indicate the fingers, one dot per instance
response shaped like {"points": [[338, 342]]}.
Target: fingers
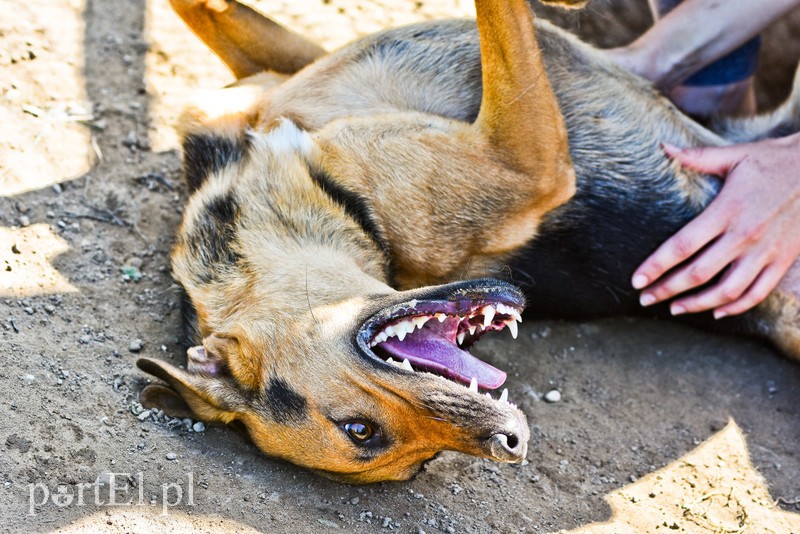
{"points": [[696, 235], [719, 161], [768, 280], [732, 286]]}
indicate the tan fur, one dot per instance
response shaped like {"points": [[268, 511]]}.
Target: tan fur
{"points": [[456, 181]]}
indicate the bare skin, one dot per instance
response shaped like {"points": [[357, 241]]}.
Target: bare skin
{"points": [[750, 234]]}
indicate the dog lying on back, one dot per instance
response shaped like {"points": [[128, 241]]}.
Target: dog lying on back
{"points": [[338, 199]]}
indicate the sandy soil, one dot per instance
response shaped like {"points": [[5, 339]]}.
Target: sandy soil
{"points": [[91, 196]]}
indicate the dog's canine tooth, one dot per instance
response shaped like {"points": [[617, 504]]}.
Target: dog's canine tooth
{"points": [[488, 315], [460, 337], [512, 327], [473, 385], [406, 365], [504, 395]]}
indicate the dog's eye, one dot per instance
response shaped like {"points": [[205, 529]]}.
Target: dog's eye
{"points": [[358, 431]]}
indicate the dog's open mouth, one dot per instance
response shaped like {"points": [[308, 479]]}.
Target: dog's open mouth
{"points": [[434, 335]]}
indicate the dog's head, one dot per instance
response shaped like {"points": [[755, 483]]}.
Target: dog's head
{"points": [[361, 391]]}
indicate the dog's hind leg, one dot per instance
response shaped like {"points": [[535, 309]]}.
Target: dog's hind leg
{"points": [[244, 39], [778, 317], [785, 120], [519, 113]]}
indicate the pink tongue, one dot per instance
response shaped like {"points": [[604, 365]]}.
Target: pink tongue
{"points": [[428, 351]]}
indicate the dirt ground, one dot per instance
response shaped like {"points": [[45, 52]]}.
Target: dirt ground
{"points": [[91, 189]]}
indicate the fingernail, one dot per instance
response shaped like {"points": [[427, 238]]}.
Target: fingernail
{"points": [[639, 281], [720, 314], [647, 299], [677, 309], [667, 147]]}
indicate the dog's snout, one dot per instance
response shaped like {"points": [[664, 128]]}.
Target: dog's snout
{"points": [[511, 444]]}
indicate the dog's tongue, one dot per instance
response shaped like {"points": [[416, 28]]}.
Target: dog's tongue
{"points": [[427, 350]]}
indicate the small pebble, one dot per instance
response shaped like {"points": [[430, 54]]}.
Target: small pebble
{"points": [[199, 427], [552, 396], [171, 456], [24, 221], [144, 415], [136, 345]]}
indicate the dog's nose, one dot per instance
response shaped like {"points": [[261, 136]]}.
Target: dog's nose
{"points": [[511, 444]]}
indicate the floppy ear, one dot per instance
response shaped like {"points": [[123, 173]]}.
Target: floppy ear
{"points": [[519, 113], [205, 396]]}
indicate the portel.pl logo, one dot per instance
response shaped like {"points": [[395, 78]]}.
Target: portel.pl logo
{"points": [[111, 489]]}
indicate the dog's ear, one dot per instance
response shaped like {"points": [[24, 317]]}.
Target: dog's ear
{"points": [[519, 114], [210, 397]]}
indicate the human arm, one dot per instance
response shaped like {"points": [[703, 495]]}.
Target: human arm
{"points": [[750, 233], [694, 34]]}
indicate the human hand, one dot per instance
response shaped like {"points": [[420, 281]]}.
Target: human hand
{"points": [[750, 233]]}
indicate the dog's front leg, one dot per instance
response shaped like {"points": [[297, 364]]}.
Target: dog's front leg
{"points": [[244, 39], [519, 113]]}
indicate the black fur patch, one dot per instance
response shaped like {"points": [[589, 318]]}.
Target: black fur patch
{"points": [[355, 206], [204, 155], [285, 403], [213, 236], [191, 330]]}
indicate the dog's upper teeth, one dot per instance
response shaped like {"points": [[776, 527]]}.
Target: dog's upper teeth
{"points": [[512, 327], [460, 337], [406, 365], [508, 310], [441, 317], [488, 315], [473, 385], [472, 329], [420, 321], [504, 395]]}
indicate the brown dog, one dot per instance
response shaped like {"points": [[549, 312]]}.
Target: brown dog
{"points": [[413, 157]]}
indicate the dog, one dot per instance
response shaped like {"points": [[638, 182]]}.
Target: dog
{"points": [[359, 219]]}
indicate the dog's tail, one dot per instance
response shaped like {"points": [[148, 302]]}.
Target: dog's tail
{"points": [[785, 120], [244, 39]]}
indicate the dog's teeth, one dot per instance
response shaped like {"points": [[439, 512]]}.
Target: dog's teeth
{"points": [[472, 329], [401, 331], [488, 315], [508, 310], [406, 365], [512, 327], [460, 337], [419, 322], [473, 385], [441, 317], [488, 395], [390, 360], [504, 395]]}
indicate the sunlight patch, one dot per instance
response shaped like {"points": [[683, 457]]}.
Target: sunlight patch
{"points": [[714, 488], [44, 137], [25, 268]]}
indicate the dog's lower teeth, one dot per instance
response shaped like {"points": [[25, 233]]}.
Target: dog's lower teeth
{"points": [[406, 365], [504, 395]]}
